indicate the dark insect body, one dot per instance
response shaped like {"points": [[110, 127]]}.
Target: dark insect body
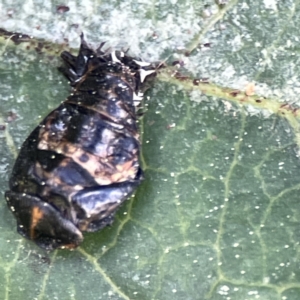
{"points": [[82, 161]]}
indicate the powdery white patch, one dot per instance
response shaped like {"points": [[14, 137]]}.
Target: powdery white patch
{"points": [[224, 289], [118, 24], [251, 293], [271, 4], [196, 96], [237, 43], [266, 60]]}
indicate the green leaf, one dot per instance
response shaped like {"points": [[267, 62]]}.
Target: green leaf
{"points": [[217, 216]]}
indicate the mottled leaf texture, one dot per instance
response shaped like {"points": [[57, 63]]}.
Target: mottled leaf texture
{"points": [[218, 214]]}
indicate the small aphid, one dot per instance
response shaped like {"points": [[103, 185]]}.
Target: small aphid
{"points": [[11, 116], [62, 9]]}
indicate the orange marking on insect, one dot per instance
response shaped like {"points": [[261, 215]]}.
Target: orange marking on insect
{"points": [[125, 167], [36, 216]]}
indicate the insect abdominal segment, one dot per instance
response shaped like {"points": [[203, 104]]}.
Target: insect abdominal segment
{"points": [[82, 162]]}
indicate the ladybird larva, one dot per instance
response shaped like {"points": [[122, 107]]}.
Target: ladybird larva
{"points": [[82, 161]]}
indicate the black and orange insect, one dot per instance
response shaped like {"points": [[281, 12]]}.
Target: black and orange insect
{"points": [[82, 161]]}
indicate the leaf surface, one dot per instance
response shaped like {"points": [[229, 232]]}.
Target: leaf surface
{"points": [[217, 216]]}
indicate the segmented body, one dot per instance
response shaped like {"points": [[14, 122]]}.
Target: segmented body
{"points": [[82, 161]]}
